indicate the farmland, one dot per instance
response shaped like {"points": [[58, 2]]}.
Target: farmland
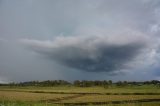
{"points": [[145, 95]]}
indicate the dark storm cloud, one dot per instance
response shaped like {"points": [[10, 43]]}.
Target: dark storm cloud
{"points": [[89, 54], [109, 58]]}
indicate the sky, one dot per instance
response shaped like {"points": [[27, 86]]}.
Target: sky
{"points": [[79, 40]]}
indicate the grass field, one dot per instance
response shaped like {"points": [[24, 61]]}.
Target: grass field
{"points": [[148, 95]]}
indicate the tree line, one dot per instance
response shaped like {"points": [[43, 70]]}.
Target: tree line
{"points": [[83, 83]]}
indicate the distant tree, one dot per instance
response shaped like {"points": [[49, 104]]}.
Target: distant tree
{"points": [[77, 83], [119, 83], [110, 82]]}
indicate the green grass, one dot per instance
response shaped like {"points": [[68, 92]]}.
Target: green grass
{"points": [[49, 96], [70, 89]]}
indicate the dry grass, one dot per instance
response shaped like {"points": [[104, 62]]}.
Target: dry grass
{"points": [[107, 98], [25, 96], [50, 95]]}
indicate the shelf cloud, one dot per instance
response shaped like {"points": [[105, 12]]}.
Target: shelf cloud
{"points": [[91, 53]]}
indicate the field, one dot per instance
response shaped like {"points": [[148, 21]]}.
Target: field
{"points": [[146, 95]]}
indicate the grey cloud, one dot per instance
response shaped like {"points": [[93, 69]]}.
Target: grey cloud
{"points": [[45, 19], [109, 58], [3, 80], [94, 54]]}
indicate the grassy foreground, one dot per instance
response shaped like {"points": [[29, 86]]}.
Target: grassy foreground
{"points": [[148, 95], [8, 103]]}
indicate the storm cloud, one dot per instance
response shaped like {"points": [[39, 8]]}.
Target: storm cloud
{"points": [[52, 39], [91, 53]]}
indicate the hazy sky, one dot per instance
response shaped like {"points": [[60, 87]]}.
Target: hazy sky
{"points": [[79, 39]]}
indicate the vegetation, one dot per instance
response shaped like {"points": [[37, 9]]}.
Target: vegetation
{"points": [[83, 83], [60, 93]]}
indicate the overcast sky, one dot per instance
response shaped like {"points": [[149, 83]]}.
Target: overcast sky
{"points": [[79, 40]]}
